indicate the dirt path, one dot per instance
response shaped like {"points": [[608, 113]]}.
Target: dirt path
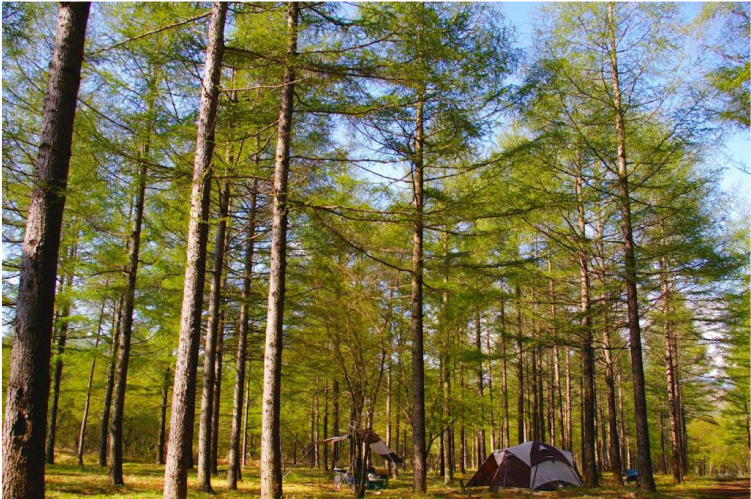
{"points": [[727, 489]]}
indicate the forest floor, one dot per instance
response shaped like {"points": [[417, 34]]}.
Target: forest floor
{"points": [[144, 481]]}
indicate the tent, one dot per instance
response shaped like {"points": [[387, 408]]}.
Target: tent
{"points": [[531, 465], [376, 444]]}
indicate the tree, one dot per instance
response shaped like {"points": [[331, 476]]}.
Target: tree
{"points": [[26, 407], [271, 459], [183, 401]]}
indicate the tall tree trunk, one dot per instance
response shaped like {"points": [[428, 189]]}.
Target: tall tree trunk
{"points": [[271, 459], [84, 418], [673, 410], [520, 431], [25, 420], [163, 416], [663, 454], [244, 457], [646, 479], [114, 342], [335, 422], [589, 464], [569, 420], [480, 390], [447, 434], [209, 355], [505, 435], [234, 460], [58, 361], [419, 483], [126, 323], [615, 449], [217, 395], [626, 455], [490, 394], [183, 397], [326, 424], [616, 465]]}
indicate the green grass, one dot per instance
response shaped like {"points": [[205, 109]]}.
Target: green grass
{"points": [[66, 480]]}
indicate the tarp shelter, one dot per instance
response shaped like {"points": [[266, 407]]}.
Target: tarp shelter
{"points": [[376, 444], [531, 465]]}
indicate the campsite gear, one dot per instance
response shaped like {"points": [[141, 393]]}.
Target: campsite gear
{"points": [[531, 465], [369, 436], [632, 475]]}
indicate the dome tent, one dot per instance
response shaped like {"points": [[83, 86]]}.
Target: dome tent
{"points": [[531, 465]]}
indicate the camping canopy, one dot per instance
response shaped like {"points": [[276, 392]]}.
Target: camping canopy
{"points": [[375, 442], [532, 465]]}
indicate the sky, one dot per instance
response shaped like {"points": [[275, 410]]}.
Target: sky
{"points": [[733, 155]]}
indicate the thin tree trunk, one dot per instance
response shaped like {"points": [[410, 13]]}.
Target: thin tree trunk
{"points": [[419, 483], [663, 454], [569, 420], [217, 395], [447, 434], [57, 360], [589, 463], [271, 458], [244, 457], [179, 450], [84, 418], [335, 423], [520, 429], [126, 323], [234, 461], [615, 450], [480, 390], [28, 386], [675, 461], [326, 424], [626, 458], [114, 342], [167, 380], [506, 437], [209, 355], [646, 479]]}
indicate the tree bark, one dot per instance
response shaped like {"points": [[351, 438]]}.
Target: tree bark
{"points": [[84, 418], [126, 322], [114, 342], [646, 478], [234, 460], [183, 397], [271, 458], [163, 416], [25, 420], [209, 355]]}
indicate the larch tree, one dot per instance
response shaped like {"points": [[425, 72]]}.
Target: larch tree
{"points": [[25, 422], [271, 459], [183, 401]]}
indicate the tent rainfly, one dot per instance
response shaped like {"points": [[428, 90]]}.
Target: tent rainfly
{"points": [[531, 465], [376, 444]]}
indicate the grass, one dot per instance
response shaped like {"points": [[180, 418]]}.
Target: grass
{"points": [[66, 480]]}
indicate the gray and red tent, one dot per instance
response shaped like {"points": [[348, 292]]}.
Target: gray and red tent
{"points": [[531, 465]]}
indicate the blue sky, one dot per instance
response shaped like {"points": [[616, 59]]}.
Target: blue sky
{"points": [[733, 155]]}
